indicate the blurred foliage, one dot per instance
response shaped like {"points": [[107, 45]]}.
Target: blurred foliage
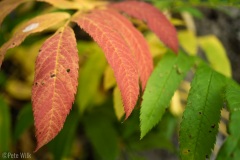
{"points": [[95, 128]]}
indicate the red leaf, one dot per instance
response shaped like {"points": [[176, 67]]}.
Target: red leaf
{"points": [[135, 41], [118, 55], [55, 84], [155, 20]]}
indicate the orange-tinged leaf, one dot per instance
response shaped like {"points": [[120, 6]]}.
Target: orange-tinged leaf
{"points": [[34, 25], [7, 6], [55, 84], [155, 20], [135, 41], [118, 55]]}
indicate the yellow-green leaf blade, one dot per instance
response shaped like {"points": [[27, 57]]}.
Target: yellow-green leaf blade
{"points": [[90, 78], [216, 54], [118, 105]]}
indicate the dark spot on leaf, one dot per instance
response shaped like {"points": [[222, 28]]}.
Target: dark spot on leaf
{"points": [[207, 156], [68, 70], [213, 126], [200, 113], [232, 155], [36, 84], [209, 131], [189, 150], [13, 43], [190, 136], [42, 83], [59, 32], [40, 50], [53, 75]]}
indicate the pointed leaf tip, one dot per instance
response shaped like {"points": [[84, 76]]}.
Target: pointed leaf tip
{"points": [[155, 20], [55, 84]]}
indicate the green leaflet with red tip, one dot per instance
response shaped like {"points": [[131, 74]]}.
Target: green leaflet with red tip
{"points": [[155, 20], [55, 84]]}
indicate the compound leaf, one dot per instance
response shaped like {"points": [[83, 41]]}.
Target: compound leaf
{"points": [[37, 24], [117, 52], [231, 147], [199, 125], [161, 86], [155, 20], [55, 84]]}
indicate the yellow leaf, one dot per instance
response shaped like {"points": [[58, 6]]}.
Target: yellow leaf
{"points": [[216, 54], [157, 48], [18, 89], [77, 4], [118, 105], [109, 80], [176, 106], [34, 25], [189, 21], [63, 4], [188, 41], [177, 22]]}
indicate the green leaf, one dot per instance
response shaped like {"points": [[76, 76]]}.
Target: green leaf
{"points": [[199, 125], [216, 54], [62, 144], [102, 135], [5, 125], [161, 86], [89, 79], [231, 147], [24, 121]]}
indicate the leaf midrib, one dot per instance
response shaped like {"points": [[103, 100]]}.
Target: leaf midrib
{"points": [[205, 103]]}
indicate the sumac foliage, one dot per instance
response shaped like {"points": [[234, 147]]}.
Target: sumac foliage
{"points": [[138, 83]]}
